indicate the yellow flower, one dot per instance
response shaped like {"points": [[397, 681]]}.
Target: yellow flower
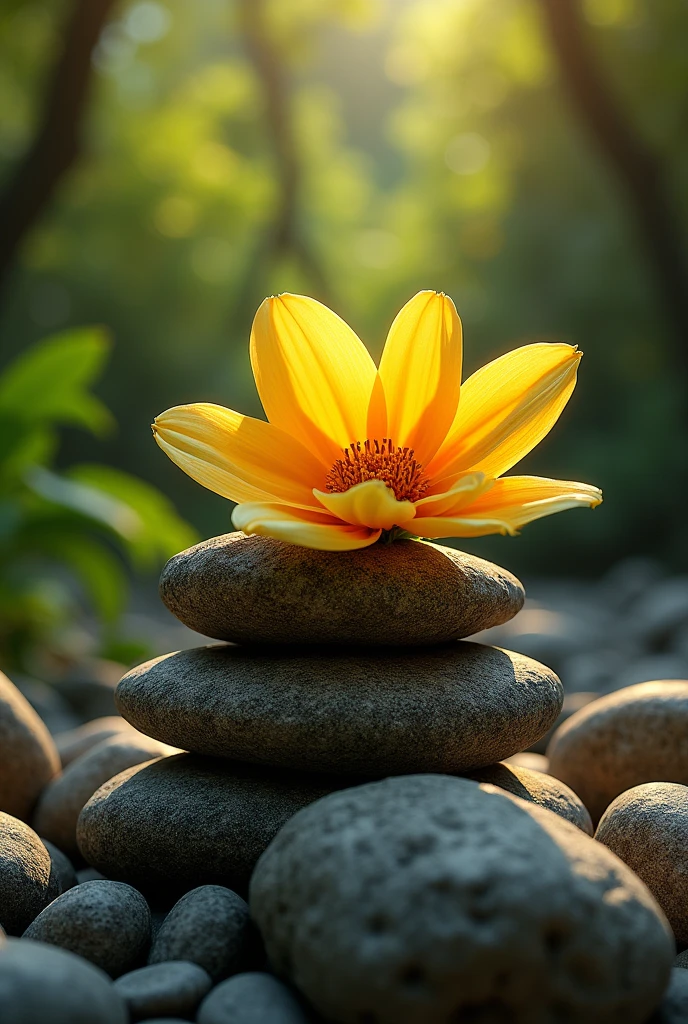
{"points": [[351, 451]]}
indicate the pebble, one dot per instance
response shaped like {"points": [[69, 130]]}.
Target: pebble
{"points": [[28, 881], [251, 998], [636, 735], [108, 923], [538, 788], [674, 1006], [430, 898], [75, 742], [88, 874], [44, 985], [259, 590], [175, 987], [572, 702], [62, 866], [211, 927], [61, 801], [28, 756], [529, 759], [647, 827], [186, 821], [682, 959], [375, 712]]}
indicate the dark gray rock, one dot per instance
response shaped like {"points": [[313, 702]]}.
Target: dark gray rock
{"points": [[538, 788], [186, 821], [674, 1006], [61, 801], [428, 898], [374, 712], [252, 998], [62, 866], [75, 742], [682, 959], [28, 881], [211, 927], [106, 922], [88, 874], [636, 735], [176, 987], [259, 590], [647, 827], [45, 985], [28, 757]]}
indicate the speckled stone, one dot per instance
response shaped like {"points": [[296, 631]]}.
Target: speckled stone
{"points": [[442, 709], [428, 898], [259, 590], [635, 735], [28, 881], [44, 985], [62, 866], [187, 821], [175, 987], [682, 959], [538, 788], [108, 923], [75, 742], [674, 1006], [211, 927], [28, 757], [647, 827], [60, 803], [252, 998]]}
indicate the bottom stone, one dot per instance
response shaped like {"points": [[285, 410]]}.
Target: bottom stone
{"points": [[186, 821]]}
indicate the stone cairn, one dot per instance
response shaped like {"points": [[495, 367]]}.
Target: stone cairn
{"points": [[326, 796]]}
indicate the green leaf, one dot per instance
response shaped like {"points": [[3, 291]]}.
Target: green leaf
{"points": [[97, 568], [161, 532], [50, 382], [88, 501]]}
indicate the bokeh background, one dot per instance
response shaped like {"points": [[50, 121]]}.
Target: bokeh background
{"points": [[165, 165]]}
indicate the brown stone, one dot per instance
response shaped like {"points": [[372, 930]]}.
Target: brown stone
{"points": [[75, 742], [537, 788], [28, 758], [259, 590], [635, 735]]}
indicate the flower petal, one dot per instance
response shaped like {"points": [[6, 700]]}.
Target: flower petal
{"points": [[421, 373], [433, 527], [305, 528], [313, 374], [466, 490], [239, 457], [371, 503], [521, 499], [506, 408]]}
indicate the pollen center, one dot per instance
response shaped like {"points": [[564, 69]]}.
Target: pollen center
{"points": [[379, 460]]}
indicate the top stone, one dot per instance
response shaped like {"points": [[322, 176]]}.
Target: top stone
{"points": [[259, 590]]}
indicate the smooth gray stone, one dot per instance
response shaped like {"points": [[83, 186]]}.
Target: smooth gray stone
{"points": [[369, 712], [647, 827], [175, 987], [211, 927], [252, 998], [28, 880], [41, 984], [259, 590], [28, 756], [431, 898], [539, 788], [674, 1006], [108, 923], [186, 821], [62, 865]]}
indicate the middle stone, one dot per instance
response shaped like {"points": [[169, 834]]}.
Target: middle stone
{"points": [[375, 712]]}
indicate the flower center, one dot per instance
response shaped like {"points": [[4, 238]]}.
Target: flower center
{"points": [[379, 460]]}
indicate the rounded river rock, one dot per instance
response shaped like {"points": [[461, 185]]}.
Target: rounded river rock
{"points": [[28, 756], [161, 990], [44, 985], [259, 590], [441, 709], [424, 899], [186, 821], [647, 827], [538, 788], [105, 922], [635, 735], [252, 998], [28, 879]]}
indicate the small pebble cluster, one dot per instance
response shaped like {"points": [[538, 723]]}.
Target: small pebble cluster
{"points": [[335, 814]]}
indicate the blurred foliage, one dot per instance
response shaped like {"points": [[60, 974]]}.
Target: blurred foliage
{"points": [[87, 525], [433, 147]]}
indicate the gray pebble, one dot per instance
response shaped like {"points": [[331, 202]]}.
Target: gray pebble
{"points": [[211, 927], [88, 874], [28, 756], [62, 865], [674, 1006], [75, 742], [539, 788], [252, 998], [682, 959], [107, 923], [44, 985], [173, 987], [28, 880]]}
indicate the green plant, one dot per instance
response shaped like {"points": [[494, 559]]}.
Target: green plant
{"points": [[68, 539]]}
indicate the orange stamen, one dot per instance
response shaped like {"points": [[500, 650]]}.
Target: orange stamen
{"points": [[379, 460]]}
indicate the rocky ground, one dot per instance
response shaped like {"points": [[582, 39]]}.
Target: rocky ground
{"points": [[375, 825]]}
